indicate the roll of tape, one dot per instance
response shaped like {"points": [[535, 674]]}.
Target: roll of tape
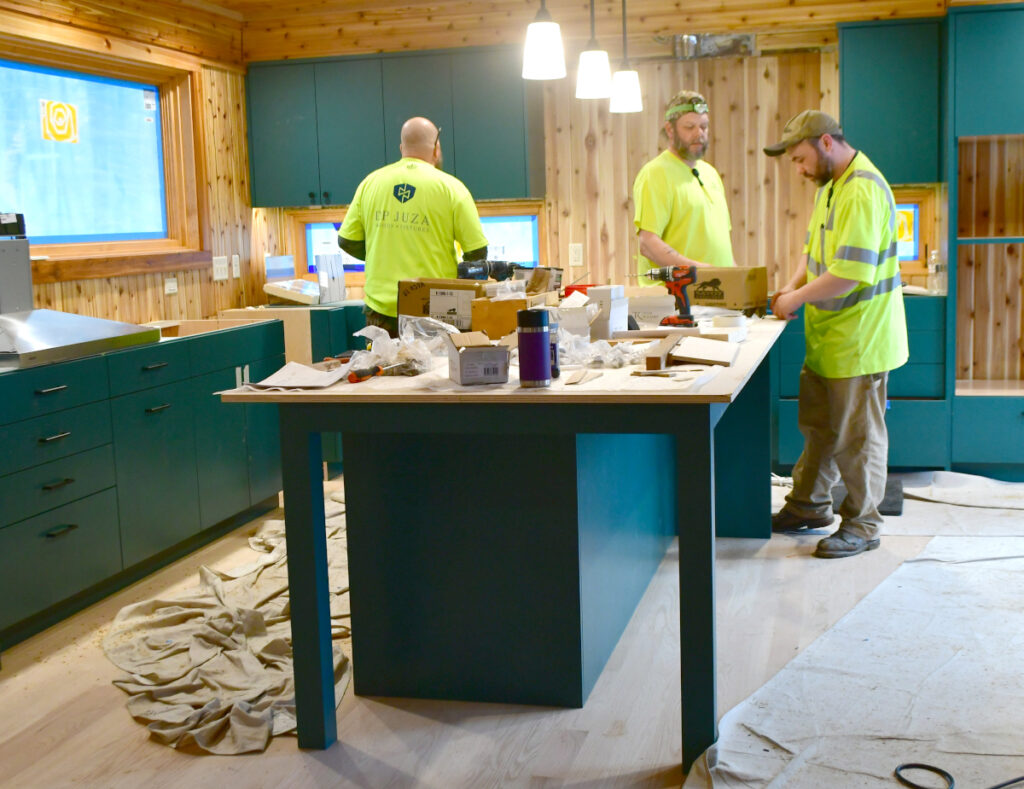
{"points": [[728, 321]]}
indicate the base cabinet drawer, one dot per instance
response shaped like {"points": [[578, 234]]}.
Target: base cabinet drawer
{"points": [[53, 556], [988, 430], [45, 438]]}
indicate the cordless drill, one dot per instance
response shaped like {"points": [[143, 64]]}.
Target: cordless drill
{"points": [[676, 279], [484, 269]]}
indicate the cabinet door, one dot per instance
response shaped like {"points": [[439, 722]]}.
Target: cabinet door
{"points": [[889, 91], [350, 126], [221, 457], [989, 72], [155, 455], [489, 127], [419, 85], [282, 135], [263, 438]]}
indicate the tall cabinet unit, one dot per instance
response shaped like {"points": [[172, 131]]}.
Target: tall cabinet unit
{"points": [[985, 152]]}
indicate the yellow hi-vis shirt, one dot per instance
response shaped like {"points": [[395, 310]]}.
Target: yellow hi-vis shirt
{"points": [[410, 214], [852, 234], [688, 214]]}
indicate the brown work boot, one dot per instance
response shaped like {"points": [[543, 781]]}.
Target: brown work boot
{"points": [[786, 521], [844, 543]]}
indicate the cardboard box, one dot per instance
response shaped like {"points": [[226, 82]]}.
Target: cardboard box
{"points": [[415, 297], [498, 318], [474, 359], [732, 287], [613, 317], [648, 309]]}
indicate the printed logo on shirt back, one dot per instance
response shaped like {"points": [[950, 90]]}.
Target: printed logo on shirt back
{"points": [[404, 192]]}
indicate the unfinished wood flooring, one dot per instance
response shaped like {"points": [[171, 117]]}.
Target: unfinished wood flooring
{"points": [[63, 724]]}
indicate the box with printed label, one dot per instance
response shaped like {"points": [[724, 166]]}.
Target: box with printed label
{"points": [[415, 296], [612, 317], [496, 318], [474, 359], [732, 287]]}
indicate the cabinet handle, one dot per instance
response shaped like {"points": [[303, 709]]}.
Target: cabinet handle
{"points": [[52, 390], [56, 437], [60, 531], [312, 197], [155, 408], [154, 366], [327, 197], [61, 484]]}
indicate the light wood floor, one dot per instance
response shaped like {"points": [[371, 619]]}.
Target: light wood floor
{"points": [[63, 724]]}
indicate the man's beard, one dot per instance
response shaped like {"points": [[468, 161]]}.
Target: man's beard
{"points": [[684, 152]]}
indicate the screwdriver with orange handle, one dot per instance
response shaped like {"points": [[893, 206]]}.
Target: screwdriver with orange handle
{"points": [[364, 374]]}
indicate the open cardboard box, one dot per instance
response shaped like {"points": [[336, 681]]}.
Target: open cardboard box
{"points": [[474, 359]]}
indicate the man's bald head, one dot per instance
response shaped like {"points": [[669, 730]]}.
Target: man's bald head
{"points": [[420, 139]]}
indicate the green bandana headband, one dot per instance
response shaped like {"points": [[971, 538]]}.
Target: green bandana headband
{"points": [[681, 109]]}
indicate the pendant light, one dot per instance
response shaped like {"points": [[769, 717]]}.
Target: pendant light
{"points": [[594, 74], [543, 54], [625, 81]]}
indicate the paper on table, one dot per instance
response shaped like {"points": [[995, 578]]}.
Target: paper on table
{"points": [[300, 376]]}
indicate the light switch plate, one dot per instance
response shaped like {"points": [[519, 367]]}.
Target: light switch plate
{"points": [[575, 254], [220, 268], [170, 286], [236, 266]]}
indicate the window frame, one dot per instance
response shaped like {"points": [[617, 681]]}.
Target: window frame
{"points": [[182, 248]]}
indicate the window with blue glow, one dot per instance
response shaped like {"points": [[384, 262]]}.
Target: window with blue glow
{"points": [[81, 156], [908, 231]]}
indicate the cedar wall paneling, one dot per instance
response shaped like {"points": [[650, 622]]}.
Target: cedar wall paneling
{"points": [[592, 157], [991, 187], [990, 312]]}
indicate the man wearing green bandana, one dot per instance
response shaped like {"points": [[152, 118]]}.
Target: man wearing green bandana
{"points": [[682, 218]]}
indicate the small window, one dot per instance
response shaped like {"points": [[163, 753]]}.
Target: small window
{"points": [[81, 156]]}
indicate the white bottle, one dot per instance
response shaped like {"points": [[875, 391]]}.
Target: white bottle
{"points": [[936, 274]]}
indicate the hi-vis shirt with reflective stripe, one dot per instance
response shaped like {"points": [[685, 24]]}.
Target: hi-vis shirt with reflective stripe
{"points": [[852, 234]]}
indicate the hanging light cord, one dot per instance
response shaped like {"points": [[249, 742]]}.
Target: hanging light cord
{"points": [[625, 50]]}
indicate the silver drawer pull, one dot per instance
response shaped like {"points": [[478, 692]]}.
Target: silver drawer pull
{"points": [[60, 531], [156, 408], [56, 437], [61, 484], [52, 389], [155, 366]]}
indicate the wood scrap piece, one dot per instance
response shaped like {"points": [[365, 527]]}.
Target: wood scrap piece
{"points": [[729, 334], [582, 376], [653, 334], [703, 377], [657, 357], [704, 351]]}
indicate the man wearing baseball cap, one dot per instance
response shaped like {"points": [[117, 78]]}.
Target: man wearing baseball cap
{"points": [[682, 218], [856, 332]]}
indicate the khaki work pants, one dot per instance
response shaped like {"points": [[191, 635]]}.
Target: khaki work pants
{"points": [[843, 424]]}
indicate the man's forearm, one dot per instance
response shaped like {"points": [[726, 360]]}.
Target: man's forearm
{"points": [[475, 254], [356, 249], [657, 251]]}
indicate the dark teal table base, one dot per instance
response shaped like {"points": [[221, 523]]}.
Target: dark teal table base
{"points": [[497, 550]]}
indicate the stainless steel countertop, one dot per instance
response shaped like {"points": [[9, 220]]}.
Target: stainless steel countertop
{"points": [[35, 337]]}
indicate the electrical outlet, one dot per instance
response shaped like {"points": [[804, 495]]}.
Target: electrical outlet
{"points": [[220, 268], [575, 254], [236, 266], [170, 286]]}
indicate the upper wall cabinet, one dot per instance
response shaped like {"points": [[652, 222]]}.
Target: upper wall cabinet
{"points": [[988, 72], [889, 96], [317, 128]]}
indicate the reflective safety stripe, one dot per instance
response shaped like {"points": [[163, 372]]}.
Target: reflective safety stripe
{"points": [[858, 296], [885, 190], [815, 266], [861, 255]]}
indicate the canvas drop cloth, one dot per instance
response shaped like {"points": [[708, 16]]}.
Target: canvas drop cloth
{"points": [[211, 670], [911, 674]]}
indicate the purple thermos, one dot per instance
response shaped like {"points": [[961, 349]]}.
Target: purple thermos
{"points": [[534, 348]]}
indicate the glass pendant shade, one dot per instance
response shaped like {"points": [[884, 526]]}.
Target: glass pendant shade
{"points": [[626, 92], [594, 75], [543, 54]]}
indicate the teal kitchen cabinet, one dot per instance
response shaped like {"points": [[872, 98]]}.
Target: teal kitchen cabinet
{"points": [[157, 484], [988, 430], [419, 85], [315, 129], [988, 71], [222, 457], [890, 83], [263, 437]]}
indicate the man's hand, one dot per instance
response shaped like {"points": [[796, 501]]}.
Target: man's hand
{"points": [[785, 303]]}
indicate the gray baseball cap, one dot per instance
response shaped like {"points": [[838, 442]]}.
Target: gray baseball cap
{"points": [[804, 126]]}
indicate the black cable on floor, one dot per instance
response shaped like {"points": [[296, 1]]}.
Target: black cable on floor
{"points": [[950, 783]]}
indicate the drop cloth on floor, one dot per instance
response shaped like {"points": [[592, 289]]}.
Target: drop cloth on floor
{"points": [[211, 669]]}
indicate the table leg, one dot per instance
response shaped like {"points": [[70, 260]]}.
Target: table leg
{"points": [[302, 475], [695, 514]]}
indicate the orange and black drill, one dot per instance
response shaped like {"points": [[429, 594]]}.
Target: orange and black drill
{"points": [[676, 279]]}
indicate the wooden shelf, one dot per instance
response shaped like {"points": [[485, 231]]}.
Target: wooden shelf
{"points": [[990, 388]]}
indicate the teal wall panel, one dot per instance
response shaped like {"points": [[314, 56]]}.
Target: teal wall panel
{"points": [[989, 72], [419, 85]]}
